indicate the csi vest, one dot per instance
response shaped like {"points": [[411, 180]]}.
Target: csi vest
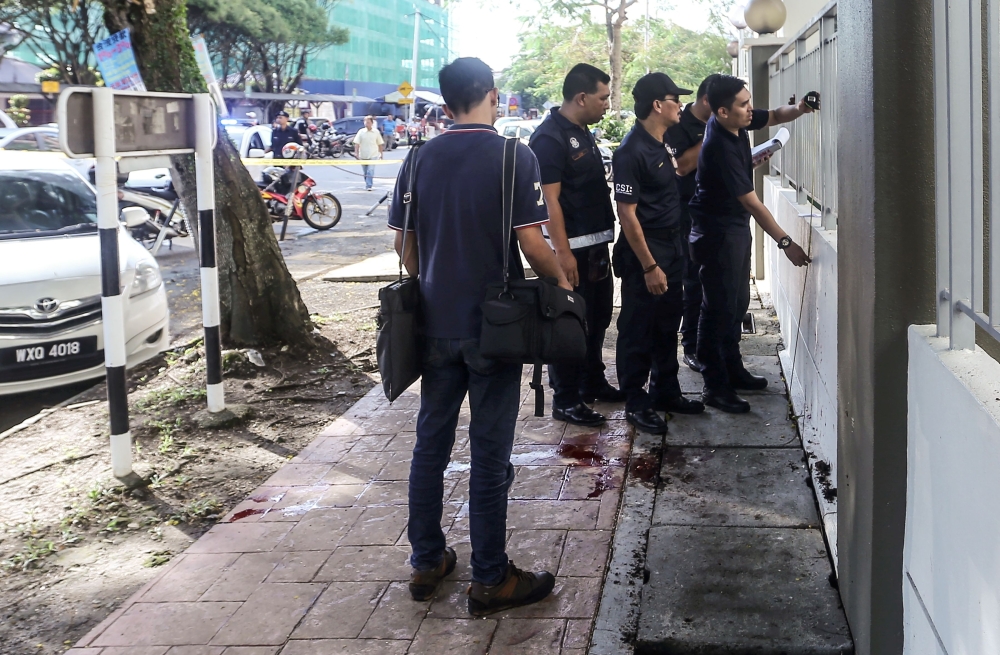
{"points": [[584, 195]]}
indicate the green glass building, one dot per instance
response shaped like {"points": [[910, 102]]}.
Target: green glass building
{"points": [[381, 43]]}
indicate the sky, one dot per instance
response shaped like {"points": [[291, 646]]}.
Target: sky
{"points": [[490, 32]]}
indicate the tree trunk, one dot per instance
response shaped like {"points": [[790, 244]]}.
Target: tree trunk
{"points": [[260, 300], [616, 67]]}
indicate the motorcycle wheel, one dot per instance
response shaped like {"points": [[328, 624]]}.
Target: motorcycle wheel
{"points": [[336, 152], [322, 211]]}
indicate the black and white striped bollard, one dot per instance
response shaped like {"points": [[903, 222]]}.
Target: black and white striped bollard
{"points": [[204, 120]]}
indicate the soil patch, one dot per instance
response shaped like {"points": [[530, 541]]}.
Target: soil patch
{"points": [[74, 543]]}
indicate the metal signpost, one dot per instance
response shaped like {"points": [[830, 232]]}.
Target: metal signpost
{"points": [[104, 124]]}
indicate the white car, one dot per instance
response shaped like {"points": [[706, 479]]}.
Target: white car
{"points": [[50, 282], [251, 141], [520, 129]]}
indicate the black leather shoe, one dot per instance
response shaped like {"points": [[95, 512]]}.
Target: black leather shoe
{"points": [[692, 363], [747, 381], [605, 394], [727, 401], [648, 421], [680, 405], [579, 415]]}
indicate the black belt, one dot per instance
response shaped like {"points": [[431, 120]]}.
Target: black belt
{"points": [[662, 232]]}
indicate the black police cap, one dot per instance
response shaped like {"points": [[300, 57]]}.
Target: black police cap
{"points": [[656, 86]]}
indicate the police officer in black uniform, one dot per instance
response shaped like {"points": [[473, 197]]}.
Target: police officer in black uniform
{"points": [[581, 225], [649, 257], [685, 138], [282, 134]]}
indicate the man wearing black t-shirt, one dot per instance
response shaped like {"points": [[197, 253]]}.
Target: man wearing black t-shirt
{"points": [[456, 247], [685, 138], [720, 236], [581, 225], [649, 258]]}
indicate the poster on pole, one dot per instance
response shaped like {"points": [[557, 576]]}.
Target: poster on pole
{"points": [[208, 72], [117, 64]]}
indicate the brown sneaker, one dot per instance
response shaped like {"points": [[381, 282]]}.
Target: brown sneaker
{"points": [[517, 588], [423, 583]]}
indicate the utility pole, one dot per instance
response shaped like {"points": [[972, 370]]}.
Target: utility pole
{"points": [[417, 17]]}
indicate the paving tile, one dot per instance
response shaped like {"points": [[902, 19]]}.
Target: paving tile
{"points": [[398, 467], [385, 493], [539, 431], [608, 515], [269, 615], [190, 578], [357, 468], [573, 651], [765, 426], [451, 637], [345, 647], [397, 616], [196, 650], [538, 482], [754, 487], [402, 442], [320, 529], [368, 443], [242, 577], [587, 482], [552, 514], [341, 611], [340, 428], [388, 421], [299, 566], [367, 563], [298, 475], [537, 550], [577, 634], [132, 650], [240, 538], [528, 636], [251, 650], [326, 450], [167, 624], [84, 651], [296, 503], [342, 495], [770, 367], [256, 505], [460, 493], [378, 526], [585, 553]]}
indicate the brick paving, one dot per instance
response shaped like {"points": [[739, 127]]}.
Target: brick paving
{"points": [[314, 562]]}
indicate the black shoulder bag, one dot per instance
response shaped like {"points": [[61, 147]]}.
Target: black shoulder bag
{"points": [[397, 343], [530, 321]]}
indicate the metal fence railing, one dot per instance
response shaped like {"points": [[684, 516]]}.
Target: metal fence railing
{"points": [[808, 163], [967, 169]]}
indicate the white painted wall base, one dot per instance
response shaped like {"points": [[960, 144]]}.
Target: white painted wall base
{"points": [[805, 300], [951, 556]]}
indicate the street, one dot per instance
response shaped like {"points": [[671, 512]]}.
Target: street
{"points": [[307, 252]]}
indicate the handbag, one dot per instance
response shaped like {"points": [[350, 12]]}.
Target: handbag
{"points": [[397, 343], [530, 321]]}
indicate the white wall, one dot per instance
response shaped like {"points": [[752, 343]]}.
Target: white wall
{"points": [[809, 332], [951, 556]]}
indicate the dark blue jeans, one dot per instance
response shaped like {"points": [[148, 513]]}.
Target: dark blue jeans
{"points": [[452, 368]]}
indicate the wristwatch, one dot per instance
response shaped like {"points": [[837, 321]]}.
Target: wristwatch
{"points": [[784, 242]]}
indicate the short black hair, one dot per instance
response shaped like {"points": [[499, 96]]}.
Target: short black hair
{"points": [[464, 83], [706, 84], [723, 91], [583, 78]]}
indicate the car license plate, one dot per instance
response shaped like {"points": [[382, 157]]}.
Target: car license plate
{"points": [[43, 353]]}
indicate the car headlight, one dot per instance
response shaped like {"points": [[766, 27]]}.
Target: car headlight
{"points": [[147, 278]]}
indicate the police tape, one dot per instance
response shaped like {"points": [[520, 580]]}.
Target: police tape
{"points": [[318, 162]]}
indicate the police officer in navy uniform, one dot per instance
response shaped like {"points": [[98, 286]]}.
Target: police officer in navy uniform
{"points": [[581, 225], [685, 138], [720, 236], [649, 257]]}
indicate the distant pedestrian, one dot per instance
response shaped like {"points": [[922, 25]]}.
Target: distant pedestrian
{"points": [[457, 247], [282, 134], [720, 236], [581, 225], [368, 146]]}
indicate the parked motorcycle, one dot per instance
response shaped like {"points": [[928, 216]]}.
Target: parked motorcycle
{"points": [[167, 219], [319, 210]]}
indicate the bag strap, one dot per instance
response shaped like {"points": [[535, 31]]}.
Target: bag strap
{"points": [[536, 384], [507, 193], [411, 161]]}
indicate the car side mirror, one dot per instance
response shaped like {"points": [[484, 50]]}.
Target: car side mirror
{"points": [[255, 153], [134, 216]]}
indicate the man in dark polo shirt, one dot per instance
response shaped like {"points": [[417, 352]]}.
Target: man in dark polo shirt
{"points": [[685, 138], [456, 248], [649, 258], [581, 225], [720, 236]]}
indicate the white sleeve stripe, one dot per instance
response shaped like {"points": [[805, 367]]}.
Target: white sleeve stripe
{"points": [[521, 227]]}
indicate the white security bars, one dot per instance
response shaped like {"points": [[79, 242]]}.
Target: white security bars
{"points": [[808, 164], [968, 294]]}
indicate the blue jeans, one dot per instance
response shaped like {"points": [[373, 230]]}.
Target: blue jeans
{"points": [[452, 368], [369, 172]]}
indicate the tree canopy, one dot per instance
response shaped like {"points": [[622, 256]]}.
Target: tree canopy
{"points": [[60, 33], [549, 50]]}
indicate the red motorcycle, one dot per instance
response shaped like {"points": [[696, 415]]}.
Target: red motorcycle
{"points": [[319, 210]]}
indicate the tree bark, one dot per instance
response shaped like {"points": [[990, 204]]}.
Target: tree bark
{"points": [[616, 66], [260, 302]]}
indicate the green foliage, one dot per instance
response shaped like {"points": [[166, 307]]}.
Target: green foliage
{"points": [[17, 109], [614, 129], [60, 33], [549, 50]]}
